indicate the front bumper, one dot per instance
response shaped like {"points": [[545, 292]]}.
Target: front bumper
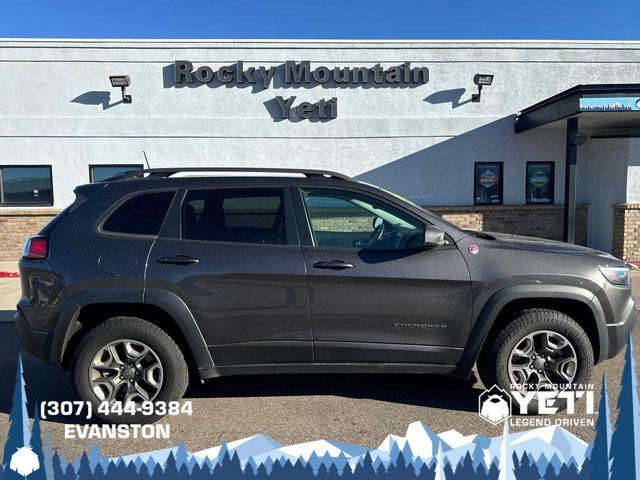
{"points": [[37, 342], [617, 333]]}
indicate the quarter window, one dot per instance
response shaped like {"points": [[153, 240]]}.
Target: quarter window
{"points": [[140, 215], [540, 179], [28, 185], [235, 215], [488, 183], [100, 173], [345, 219]]}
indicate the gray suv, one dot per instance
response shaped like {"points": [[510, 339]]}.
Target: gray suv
{"points": [[155, 275]]}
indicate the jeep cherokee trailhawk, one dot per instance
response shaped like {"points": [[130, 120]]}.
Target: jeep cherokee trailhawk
{"points": [[157, 274]]}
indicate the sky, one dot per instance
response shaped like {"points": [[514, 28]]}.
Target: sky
{"points": [[323, 19]]}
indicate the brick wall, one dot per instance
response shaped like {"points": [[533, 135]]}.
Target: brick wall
{"points": [[626, 231], [17, 225], [545, 221], [535, 220]]}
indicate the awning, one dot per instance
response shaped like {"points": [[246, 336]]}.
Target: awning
{"points": [[603, 110], [602, 107]]}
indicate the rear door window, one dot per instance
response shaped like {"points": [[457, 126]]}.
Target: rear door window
{"points": [[235, 215], [140, 215]]}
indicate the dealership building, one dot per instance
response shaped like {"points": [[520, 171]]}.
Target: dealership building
{"points": [[535, 138]]}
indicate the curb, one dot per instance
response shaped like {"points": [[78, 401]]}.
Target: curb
{"points": [[9, 275]]}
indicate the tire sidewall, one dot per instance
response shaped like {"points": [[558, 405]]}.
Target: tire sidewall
{"points": [[169, 354], [577, 338]]}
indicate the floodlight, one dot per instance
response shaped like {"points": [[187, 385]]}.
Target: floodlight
{"points": [[481, 79], [123, 82]]}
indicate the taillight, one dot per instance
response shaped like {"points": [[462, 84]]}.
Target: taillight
{"points": [[35, 248]]}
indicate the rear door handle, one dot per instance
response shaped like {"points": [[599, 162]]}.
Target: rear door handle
{"points": [[333, 264], [178, 260]]}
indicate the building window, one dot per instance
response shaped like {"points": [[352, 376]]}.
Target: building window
{"points": [[488, 183], [26, 185], [100, 173], [540, 180]]}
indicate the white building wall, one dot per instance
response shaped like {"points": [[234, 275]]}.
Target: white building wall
{"points": [[602, 177], [57, 107]]}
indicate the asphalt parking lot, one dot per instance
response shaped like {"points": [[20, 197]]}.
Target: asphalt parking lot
{"points": [[360, 409]]}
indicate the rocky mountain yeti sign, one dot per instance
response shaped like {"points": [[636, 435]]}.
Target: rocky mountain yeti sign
{"points": [[293, 73]]}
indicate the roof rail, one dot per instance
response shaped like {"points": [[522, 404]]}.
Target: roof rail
{"points": [[168, 172]]}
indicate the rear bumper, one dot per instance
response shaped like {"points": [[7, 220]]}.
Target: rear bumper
{"points": [[37, 342], [617, 332]]}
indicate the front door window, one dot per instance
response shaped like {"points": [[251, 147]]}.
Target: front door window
{"points": [[345, 219]]}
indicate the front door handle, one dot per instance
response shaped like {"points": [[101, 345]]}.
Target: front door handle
{"points": [[333, 264], [178, 260]]}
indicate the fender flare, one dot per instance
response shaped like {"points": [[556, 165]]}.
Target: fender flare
{"points": [[485, 320], [171, 303], [179, 311]]}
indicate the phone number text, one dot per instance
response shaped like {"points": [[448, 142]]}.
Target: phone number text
{"points": [[81, 409]]}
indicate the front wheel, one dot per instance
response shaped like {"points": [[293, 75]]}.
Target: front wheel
{"points": [[130, 361], [540, 349]]}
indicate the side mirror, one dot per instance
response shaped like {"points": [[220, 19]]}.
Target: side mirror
{"points": [[433, 236]]}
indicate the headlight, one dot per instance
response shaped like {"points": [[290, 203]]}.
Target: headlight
{"points": [[616, 275]]}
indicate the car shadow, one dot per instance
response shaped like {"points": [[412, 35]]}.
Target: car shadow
{"points": [[434, 391], [45, 382]]}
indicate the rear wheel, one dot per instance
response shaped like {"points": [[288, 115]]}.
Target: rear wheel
{"points": [[130, 361], [540, 349]]}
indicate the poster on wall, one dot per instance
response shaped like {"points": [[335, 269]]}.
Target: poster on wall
{"points": [[540, 178], [488, 183]]}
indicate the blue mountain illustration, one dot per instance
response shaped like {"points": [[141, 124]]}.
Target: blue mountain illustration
{"points": [[551, 442]]}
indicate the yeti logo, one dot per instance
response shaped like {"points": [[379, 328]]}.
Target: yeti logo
{"points": [[24, 461], [494, 405]]}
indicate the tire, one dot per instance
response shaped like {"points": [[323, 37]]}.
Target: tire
{"points": [[493, 364], [161, 374]]}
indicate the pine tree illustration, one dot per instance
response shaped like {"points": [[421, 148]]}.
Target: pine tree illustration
{"points": [[550, 473], [602, 443], [448, 470], [48, 458], [478, 458], [625, 440], [527, 469], [505, 459], [36, 446], [569, 472], [58, 466], [84, 472], [439, 475], [365, 470], [170, 468], [181, 455], [156, 472], [94, 456], [465, 467], [18, 435], [407, 453]]}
